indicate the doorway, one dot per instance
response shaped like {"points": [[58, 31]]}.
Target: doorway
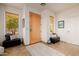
{"points": [[35, 29]]}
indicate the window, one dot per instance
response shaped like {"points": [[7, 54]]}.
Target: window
{"points": [[51, 24], [11, 23]]}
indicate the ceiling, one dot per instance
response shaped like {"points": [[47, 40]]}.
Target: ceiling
{"points": [[55, 7]]}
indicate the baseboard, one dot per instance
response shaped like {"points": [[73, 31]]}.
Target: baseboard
{"points": [[69, 43], [32, 43]]}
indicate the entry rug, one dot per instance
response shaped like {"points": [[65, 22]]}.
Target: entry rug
{"points": [[40, 49]]}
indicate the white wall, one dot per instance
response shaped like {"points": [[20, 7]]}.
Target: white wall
{"points": [[71, 31], [44, 25], [45, 28], [2, 31]]}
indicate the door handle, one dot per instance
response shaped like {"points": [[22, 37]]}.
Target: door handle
{"points": [[30, 30]]}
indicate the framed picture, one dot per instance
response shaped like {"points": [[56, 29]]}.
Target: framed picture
{"points": [[61, 24]]}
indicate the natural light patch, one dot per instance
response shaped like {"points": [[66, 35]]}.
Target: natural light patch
{"points": [[51, 24], [11, 23], [40, 49]]}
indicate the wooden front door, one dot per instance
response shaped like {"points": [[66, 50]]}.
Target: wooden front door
{"points": [[35, 22]]}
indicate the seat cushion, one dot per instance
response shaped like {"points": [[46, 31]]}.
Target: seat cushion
{"points": [[10, 43], [54, 39]]}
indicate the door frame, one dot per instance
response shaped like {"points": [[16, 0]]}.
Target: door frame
{"points": [[30, 27]]}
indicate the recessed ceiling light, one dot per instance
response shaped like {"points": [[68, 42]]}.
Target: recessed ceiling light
{"points": [[43, 4]]}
